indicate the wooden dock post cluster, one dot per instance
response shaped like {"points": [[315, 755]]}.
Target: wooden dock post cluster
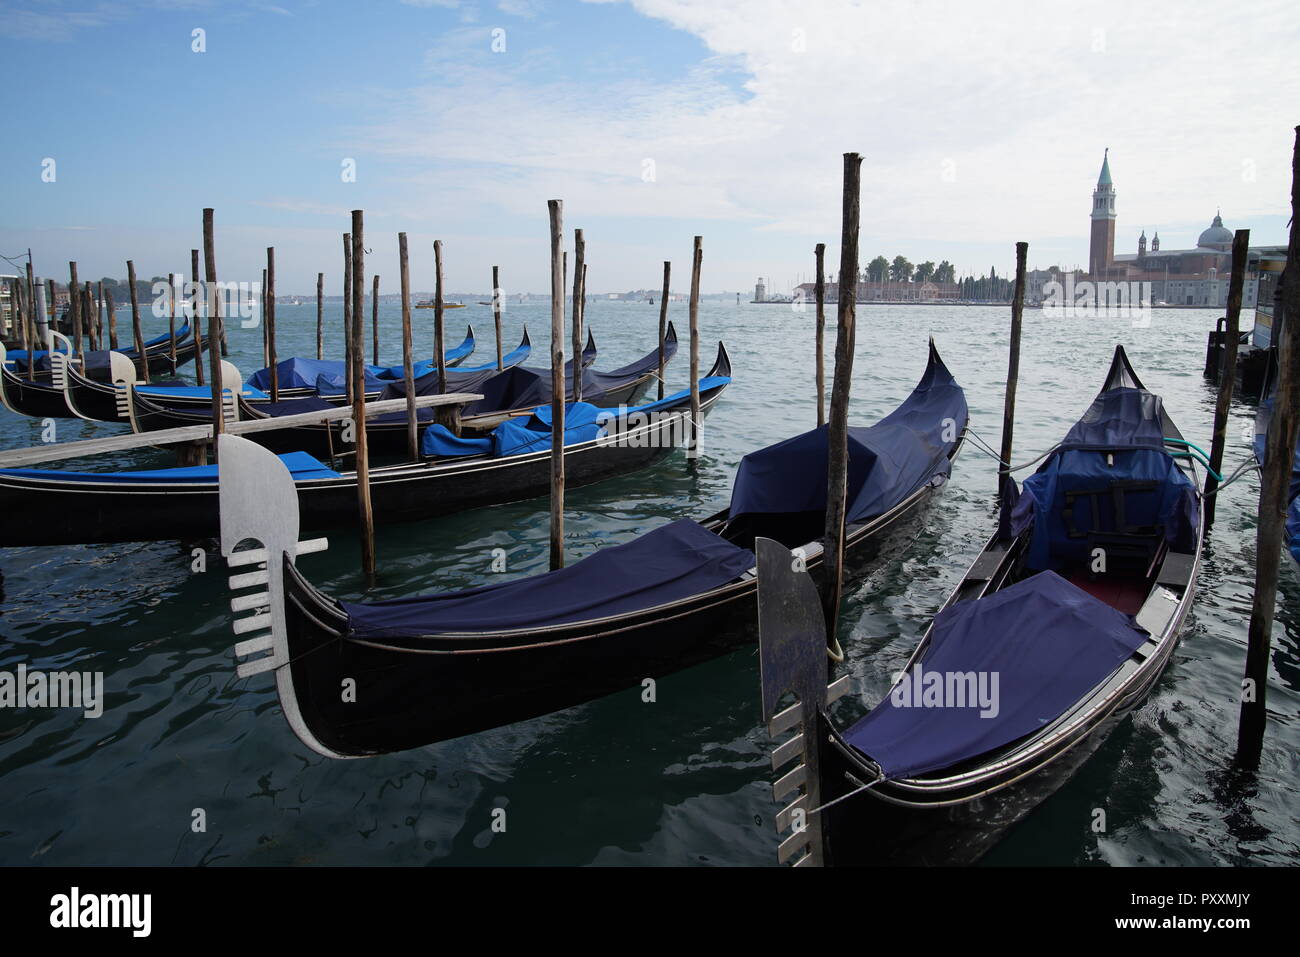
{"points": [[837, 439], [1228, 370], [1274, 492]]}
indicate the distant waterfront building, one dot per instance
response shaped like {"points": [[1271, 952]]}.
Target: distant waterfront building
{"points": [[1101, 248], [1178, 277]]}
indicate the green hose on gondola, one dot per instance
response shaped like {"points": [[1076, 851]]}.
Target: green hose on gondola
{"points": [[1201, 455]]}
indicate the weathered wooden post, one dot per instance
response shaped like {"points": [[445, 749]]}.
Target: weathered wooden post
{"points": [[137, 334], [556, 208], [837, 435], [1228, 371], [1274, 492], [273, 357], [579, 254], [1013, 366], [195, 313], [438, 333], [408, 368], [266, 312], [347, 315], [819, 291], [111, 306], [663, 322], [214, 325], [75, 306], [91, 313], [365, 514], [496, 312], [171, 314], [320, 315], [374, 317], [697, 261]]}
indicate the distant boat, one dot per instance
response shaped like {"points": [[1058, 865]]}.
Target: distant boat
{"points": [[428, 304]]}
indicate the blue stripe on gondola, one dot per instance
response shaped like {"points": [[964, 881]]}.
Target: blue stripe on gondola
{"points": [[300, 464]]}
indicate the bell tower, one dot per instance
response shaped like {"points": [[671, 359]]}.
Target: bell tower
{"points": [[1101, 249]]}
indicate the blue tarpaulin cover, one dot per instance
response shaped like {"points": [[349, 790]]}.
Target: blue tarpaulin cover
{"points": [[1048, 642], [667, 564], [583, 422], [329, 375], [1120, 418], [1115, 449], [887, 461], [300, 465], [1262, 419]]}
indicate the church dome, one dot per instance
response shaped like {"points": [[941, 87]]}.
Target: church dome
{"points": [[1216, 235]]}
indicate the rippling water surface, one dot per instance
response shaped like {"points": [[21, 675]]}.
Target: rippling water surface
{"points": [[685, 779]]}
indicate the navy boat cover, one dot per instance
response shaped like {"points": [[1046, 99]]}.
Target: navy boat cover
{"points": [[1048, 643], [300, 372], [1262, 419], [1114, 458], [300, 465], [583, 422], [888, 461], [672, 562]]}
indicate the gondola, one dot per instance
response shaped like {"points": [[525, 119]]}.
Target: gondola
{"points": [[514, 391], [42, 400], [311, 379], [96, 363], [43, 507], [1055, 633], [299, 376], [427, 669]]}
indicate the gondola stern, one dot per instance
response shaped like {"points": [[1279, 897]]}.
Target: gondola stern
{"points": [[1121, 374], [258, 502], [792, 659], [722, 362]]}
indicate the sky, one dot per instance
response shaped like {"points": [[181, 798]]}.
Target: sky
{"points": [[980, 124]]}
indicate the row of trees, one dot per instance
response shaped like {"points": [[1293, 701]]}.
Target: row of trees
{"points": [[901, 269]]}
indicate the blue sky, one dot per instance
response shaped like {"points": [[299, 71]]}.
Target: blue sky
{"points": [[653, 119]]}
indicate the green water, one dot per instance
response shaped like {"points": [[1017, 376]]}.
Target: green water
{"points": [[684, 779]]}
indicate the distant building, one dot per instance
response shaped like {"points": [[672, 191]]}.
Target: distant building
{"points": [[760, 290], [1179, 277]]}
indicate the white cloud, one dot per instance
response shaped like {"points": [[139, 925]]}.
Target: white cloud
{"points": [[976, 126]]}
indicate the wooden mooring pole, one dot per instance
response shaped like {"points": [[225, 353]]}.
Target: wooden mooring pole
{"points": [[663, 322], [496, 312], [347, 316], [697, 263], [171, 314], [74, 305], [137, 333], [556, 208], [580, 255], [837, 437], [366, 515], [214, 326], [1013, 366], [1274, 492], [408, 368], [374, 317], [320, 315], [438, 330], [1227, 371], [819, 252], [195, 320], [272, 357], [111, 306]]}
